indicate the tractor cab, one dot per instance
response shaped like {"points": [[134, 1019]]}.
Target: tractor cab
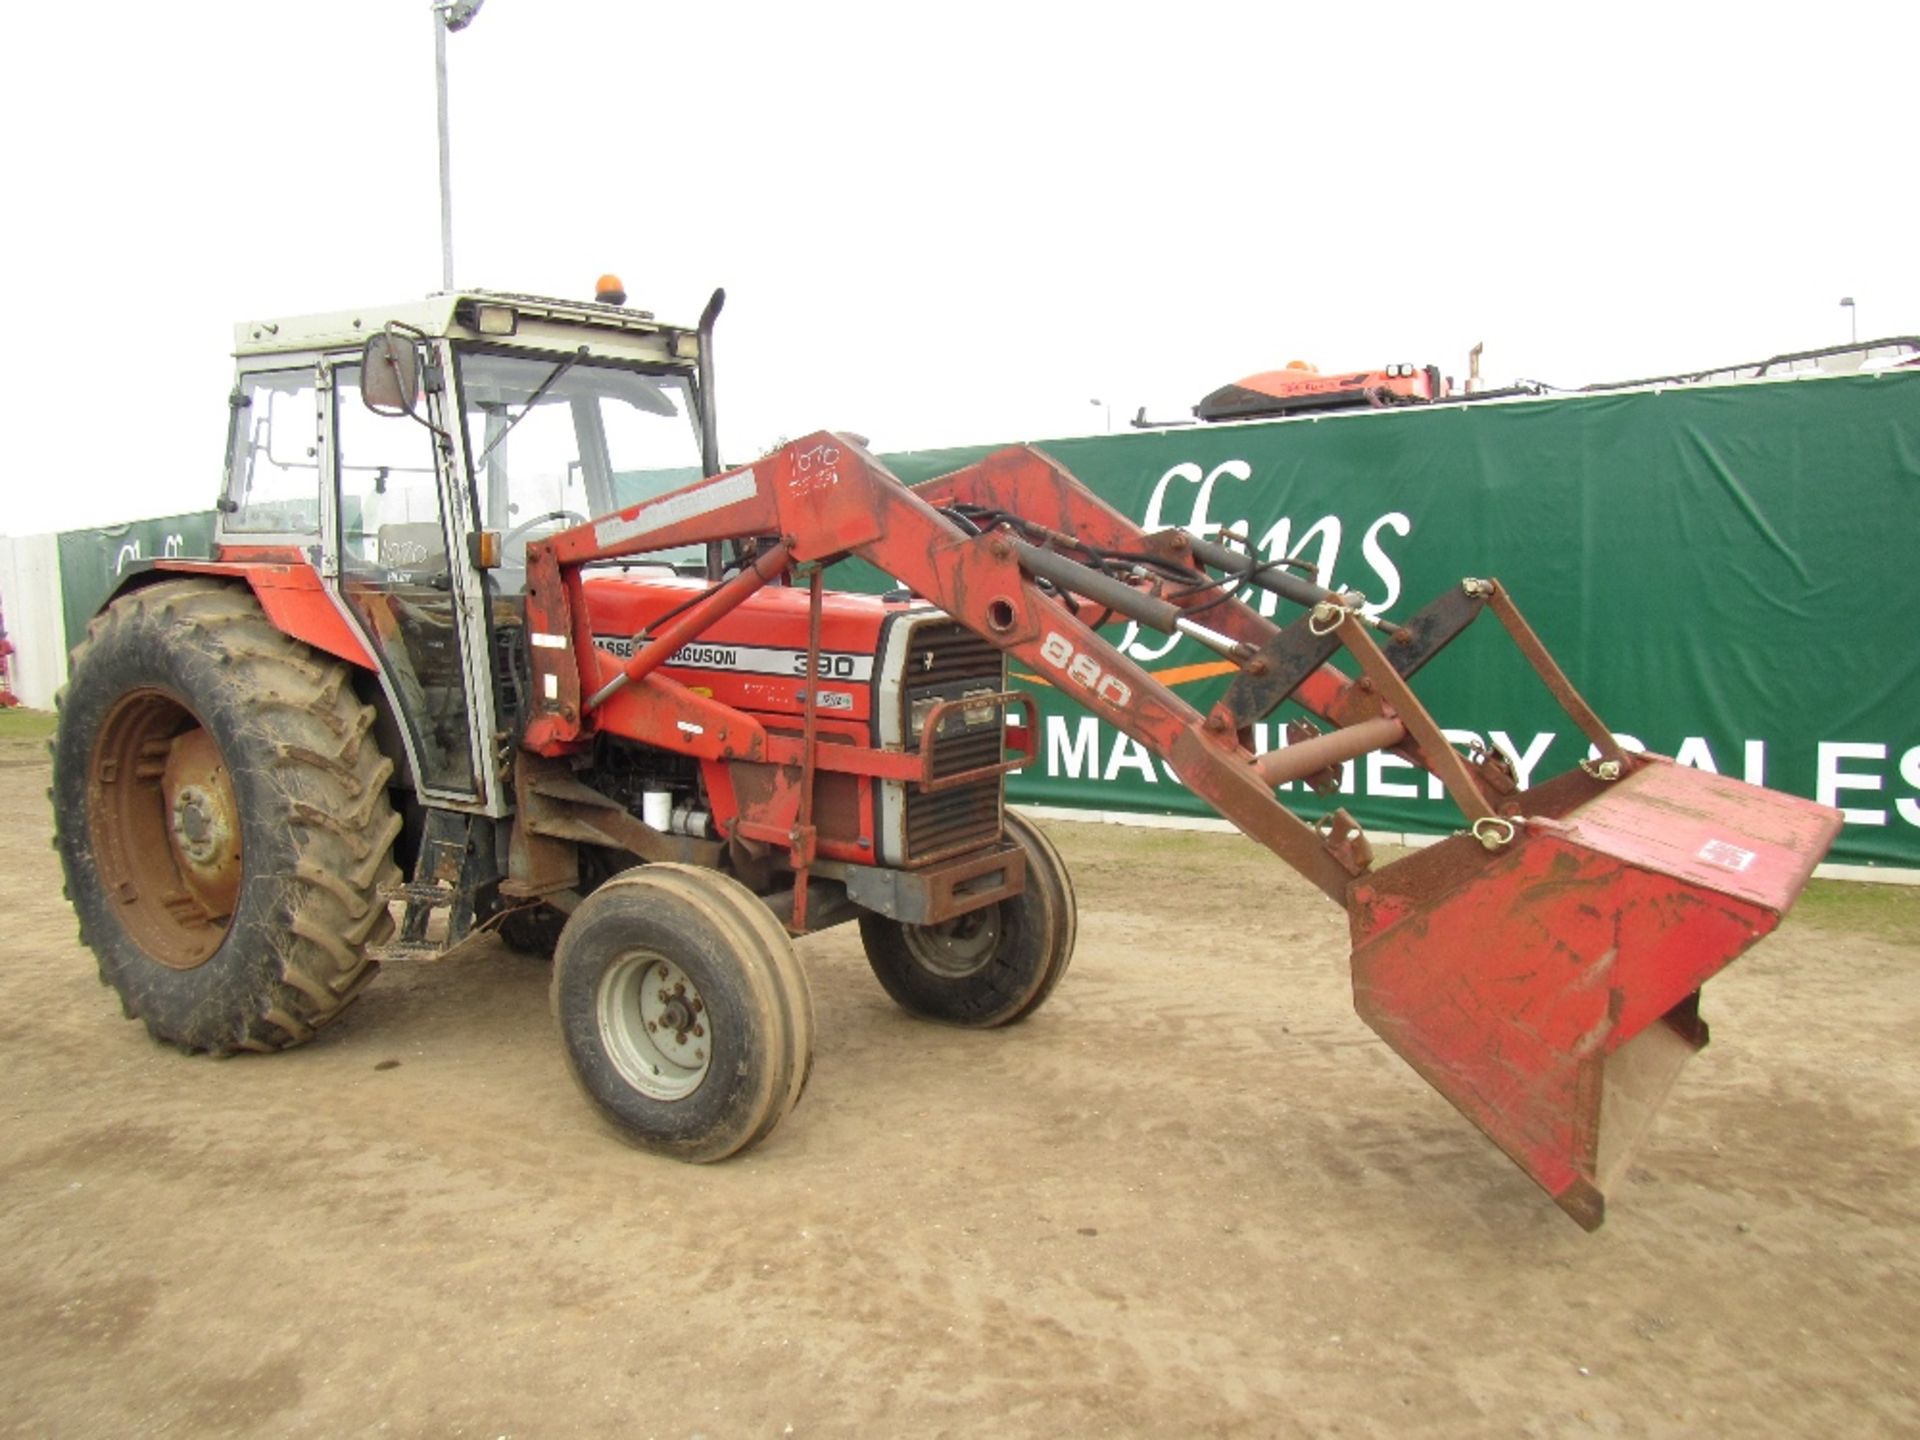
{"points": [[399, 460]]}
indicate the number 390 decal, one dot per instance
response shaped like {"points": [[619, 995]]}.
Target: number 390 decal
{"points": [[1083, 670]]}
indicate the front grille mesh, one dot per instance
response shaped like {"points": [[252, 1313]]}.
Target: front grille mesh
{"points": [[946, 661]]}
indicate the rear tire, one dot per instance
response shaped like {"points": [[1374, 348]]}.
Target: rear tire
{"points": [[683, 1011], [220, 808], [991, 966]]}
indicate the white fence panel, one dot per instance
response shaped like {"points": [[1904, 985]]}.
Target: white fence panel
{"points": [[30, 605]]}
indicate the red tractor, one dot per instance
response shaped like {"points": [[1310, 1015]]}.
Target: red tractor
{"points": [[422, 691]]}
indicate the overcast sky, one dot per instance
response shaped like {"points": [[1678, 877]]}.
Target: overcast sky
{"points": [[940, 224]]}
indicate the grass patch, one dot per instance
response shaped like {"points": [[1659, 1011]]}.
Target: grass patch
{"points": [[1881, 912], [20, 723]]}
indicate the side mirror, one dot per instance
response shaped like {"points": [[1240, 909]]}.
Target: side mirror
{"points": [[390, 375]]}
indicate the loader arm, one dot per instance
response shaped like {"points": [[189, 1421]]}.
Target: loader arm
{"points": [[1541, 969], [1289, 663], [824, 496]]}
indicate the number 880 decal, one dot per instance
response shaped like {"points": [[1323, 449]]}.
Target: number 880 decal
{"points": [[1084, 670]]}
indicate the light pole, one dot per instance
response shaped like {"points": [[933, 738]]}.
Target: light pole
{"points": [[1853, 318], [448, 15], [1109, 412]]}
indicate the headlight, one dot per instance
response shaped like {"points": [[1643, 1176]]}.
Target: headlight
{"points": [[973, 716], [917, 717], [970, 716]]}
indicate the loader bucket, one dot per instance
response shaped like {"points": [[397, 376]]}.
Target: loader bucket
{"points": [[1550, 987]]}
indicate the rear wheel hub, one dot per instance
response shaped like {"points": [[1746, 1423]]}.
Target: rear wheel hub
{"points": [[165, 828]]}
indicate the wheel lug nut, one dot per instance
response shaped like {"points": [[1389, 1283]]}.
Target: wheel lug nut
{"points": [[698, 1031]]}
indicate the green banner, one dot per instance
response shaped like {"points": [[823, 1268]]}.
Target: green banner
{"points": [[1725, 573], [92, 561]]}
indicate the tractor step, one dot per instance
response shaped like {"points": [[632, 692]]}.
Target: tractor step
{"points": [[396, 950], [454, 863], [431, 894]]}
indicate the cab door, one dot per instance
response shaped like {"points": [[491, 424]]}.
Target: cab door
{"points": [[396, 530]]}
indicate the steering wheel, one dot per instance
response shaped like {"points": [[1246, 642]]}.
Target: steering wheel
{"points": [[525, 525]]}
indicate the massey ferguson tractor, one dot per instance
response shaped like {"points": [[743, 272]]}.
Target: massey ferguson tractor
{"points": [[491, 640]]}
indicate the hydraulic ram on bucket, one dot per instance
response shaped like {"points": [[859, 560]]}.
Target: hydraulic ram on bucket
{"points": [[1541, 969]]}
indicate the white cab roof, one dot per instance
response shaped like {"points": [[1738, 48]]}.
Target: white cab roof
{"points": [[542, 323]]}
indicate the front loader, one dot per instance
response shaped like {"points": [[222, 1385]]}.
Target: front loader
{"points": [[437, 698]]}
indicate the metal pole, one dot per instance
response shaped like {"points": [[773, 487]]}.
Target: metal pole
{"points": [[446, 166]]}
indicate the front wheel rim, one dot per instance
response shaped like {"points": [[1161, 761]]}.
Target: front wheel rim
{"points": [[956, 948], [654, 1025]]}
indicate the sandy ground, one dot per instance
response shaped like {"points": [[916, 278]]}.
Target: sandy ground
{"points": [[1191, 1197]]}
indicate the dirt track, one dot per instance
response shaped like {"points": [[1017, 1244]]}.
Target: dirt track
{"points": [[1193, 1196]]}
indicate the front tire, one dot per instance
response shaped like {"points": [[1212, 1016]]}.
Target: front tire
{"points": [[532, 930], [220, 809], [990, 966], [1052, 871], [683, 1011]]}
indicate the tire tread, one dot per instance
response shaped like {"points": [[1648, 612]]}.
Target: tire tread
{"points": [[324, 772], [741, 922]]}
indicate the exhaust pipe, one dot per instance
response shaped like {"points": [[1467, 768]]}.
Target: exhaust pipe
{"points": [[709, 414]]}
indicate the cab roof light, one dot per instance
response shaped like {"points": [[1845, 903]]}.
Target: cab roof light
{"points": [[609, 291], [487, 318]]}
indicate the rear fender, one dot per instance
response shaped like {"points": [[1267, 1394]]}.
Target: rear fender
{"points": [[287, 587]]}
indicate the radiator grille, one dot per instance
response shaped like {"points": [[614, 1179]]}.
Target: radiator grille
{"points": [[945, 662]]}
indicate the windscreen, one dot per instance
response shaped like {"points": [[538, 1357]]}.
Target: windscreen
{"points": [[559, 439]]}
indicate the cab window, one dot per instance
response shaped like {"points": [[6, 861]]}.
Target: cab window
{"points": [[273, 466]]}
